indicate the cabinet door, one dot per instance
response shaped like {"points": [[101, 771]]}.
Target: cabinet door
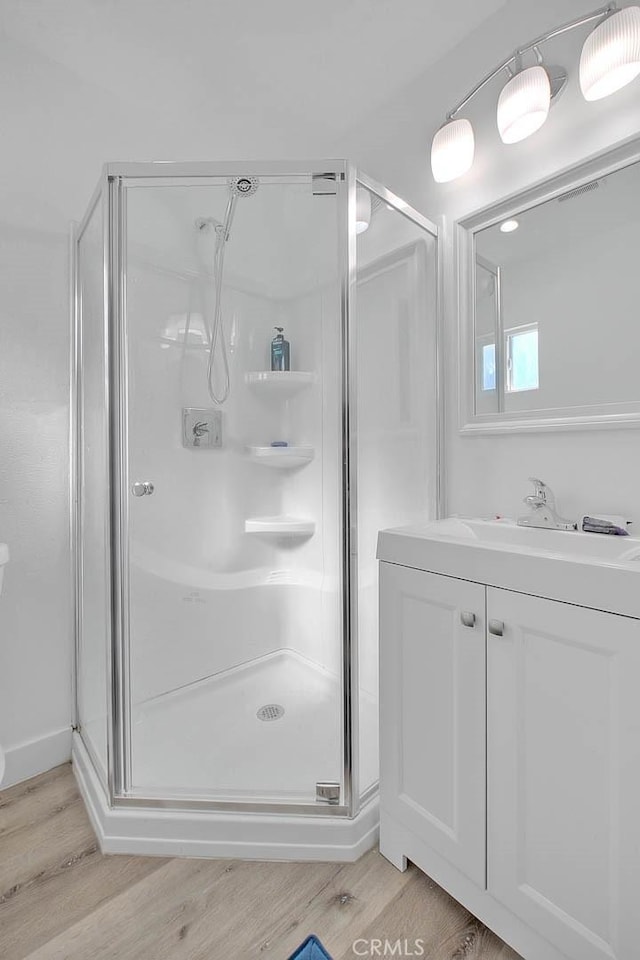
{"points": [[563, 842], [432, 712]]}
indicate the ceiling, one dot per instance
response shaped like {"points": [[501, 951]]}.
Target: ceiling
{"points": [[84, 81], [317, 63]]}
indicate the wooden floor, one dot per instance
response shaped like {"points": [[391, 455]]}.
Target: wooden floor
{"points": [[61, 898]]}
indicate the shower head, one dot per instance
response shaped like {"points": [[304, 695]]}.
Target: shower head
{"points": [[243, 186], [238, 187]]}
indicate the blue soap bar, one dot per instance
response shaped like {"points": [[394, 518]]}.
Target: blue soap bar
{"points": [[311, 949], [279, 443]]}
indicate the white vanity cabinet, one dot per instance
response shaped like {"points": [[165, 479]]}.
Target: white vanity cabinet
{"points": [[563, 773], [433, 711], [510, 767]]}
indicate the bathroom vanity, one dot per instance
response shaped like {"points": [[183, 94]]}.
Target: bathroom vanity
{"points": [[510, 728]]}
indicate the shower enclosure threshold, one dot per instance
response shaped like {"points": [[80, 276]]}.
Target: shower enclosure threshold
{"points": [[169, 832]]}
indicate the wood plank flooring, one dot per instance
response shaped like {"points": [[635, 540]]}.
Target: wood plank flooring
{"points": [[61, 899]]}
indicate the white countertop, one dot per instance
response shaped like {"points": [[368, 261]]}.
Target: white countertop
{"points": [[590, 570]]}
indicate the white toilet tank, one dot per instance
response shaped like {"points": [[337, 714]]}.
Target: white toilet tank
{"points": [[4, 559]]}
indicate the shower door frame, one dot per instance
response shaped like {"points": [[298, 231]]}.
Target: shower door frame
{"points": [[111, 194]]}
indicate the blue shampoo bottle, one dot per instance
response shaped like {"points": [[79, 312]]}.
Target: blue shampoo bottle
{"points": [[280, 353]]}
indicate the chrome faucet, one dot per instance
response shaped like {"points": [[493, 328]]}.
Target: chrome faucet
{"points": [[543, 509]]}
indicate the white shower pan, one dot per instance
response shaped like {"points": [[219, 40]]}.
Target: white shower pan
{"points": [[251, 751]]}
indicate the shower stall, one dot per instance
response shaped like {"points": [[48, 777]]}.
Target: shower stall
{"points": [[225, 514]]}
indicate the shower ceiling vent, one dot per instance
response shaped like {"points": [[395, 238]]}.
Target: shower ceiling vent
{"points": [[270, 711], [585, 188]]}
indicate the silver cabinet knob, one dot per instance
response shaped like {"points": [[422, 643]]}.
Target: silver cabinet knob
{"points": [[496, 628], [142, 488], [467, 618]]}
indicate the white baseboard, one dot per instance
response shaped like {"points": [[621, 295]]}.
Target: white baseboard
{"points": [[36, 756]]}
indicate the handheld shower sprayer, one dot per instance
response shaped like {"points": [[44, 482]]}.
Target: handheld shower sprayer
{"points": [[243, 186], [238, 187]]}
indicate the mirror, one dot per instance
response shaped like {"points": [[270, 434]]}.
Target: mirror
{"points": [[554, 300]]}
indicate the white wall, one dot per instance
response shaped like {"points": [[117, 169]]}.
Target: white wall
{"points": [[590, 471], [35, 615]]}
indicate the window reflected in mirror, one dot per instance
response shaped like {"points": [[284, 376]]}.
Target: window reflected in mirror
{"points": [[521, 352]]}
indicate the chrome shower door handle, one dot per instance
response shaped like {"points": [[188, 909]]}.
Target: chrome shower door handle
{"points": [[142, 488]]}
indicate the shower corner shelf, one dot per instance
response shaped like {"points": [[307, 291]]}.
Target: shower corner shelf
{"points": [[281, 526], [280, 383], [281, 458]]}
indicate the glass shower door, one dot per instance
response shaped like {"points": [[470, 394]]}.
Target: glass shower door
{"points": [[234, 652], [395, 324]]}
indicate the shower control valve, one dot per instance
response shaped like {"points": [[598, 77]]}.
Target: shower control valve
{"points": [[201, 428]]}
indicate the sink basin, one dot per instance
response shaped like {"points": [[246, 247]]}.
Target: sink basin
{"points": [[587, 569], [507, 534]]}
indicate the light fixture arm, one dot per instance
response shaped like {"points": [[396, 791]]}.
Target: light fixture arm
{"points": [[601, 14]]}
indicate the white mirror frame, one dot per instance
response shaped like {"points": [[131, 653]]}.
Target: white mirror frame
{"points": [[585, 417]]}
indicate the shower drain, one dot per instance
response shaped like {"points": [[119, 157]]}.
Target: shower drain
{"points": [[270, 711]]}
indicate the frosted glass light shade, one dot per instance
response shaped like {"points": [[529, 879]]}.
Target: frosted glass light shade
{"points": [[523, 105], [610, 57], [452, 150], [363, 209]]}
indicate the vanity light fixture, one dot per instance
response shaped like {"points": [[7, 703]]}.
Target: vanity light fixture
{"points": [[524, 104], [452, 150], [363, 209], [611, 54], [610, 59], [509, 226]]}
